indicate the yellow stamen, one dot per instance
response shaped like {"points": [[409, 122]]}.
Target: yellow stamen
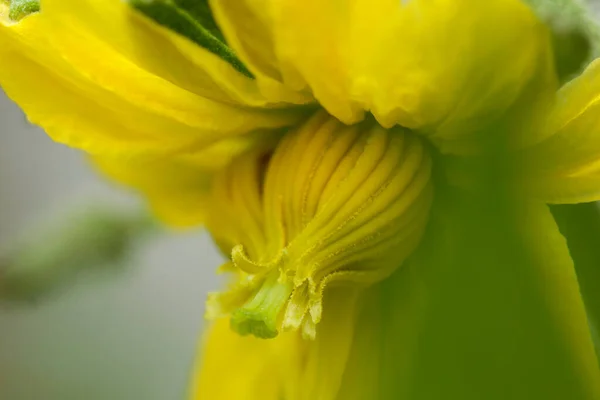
{"points": [[333, 203]]}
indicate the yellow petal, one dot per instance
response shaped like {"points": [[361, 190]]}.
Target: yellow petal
{"points": [[177, 186], [328, 354], [247, 28], [156, 49], [363, 371], [175, 189], [235, 367], [580, 223], [422, 64], [88, 93], [565, 168]]}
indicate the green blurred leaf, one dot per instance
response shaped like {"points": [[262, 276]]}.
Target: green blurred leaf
{"points": [[49, 259], [575, 33]]}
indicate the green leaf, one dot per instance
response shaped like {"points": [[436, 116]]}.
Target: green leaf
{"points": [[201, 12], [47, 260], [192, 19], [580, 224]]}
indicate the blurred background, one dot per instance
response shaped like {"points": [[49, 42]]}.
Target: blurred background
{"points": [[129, 335]]}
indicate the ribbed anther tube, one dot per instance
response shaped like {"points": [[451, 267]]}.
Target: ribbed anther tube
{"points": [[331, 204]]}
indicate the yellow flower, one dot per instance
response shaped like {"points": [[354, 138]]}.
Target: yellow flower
{"points": [[356, 207], [377, 171]]}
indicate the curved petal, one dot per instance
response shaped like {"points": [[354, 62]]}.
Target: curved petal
{"points": [[117, 27], [90, 93], [245, 368], [363, 373], [176, 190], [580, 223], [565, 168], [422, 64], [490, 308], [247, 28], [177, 186], [238, 367]]}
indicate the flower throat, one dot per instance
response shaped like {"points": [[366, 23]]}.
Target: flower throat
{"points": [[334, 205]]}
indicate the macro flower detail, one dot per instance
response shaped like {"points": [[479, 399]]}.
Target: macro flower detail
{"points": [[377, 174], [334, 204], [21, 8]]}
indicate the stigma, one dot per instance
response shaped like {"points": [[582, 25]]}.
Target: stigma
{"points": [[331, 204]]}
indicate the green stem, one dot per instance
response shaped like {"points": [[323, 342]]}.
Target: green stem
{"points": [[260, 315]]}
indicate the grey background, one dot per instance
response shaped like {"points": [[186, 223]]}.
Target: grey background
{"points": [[129, 336]]}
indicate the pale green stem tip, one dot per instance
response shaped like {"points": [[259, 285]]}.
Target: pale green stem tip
{"points": [[259, 316], [19, 9]]}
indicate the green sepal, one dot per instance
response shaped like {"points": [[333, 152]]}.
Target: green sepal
{"points": [[19, 9], [194, 20]]}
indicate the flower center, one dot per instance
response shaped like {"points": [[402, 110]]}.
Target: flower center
{"points": [[331, 204], [259, 315]]}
